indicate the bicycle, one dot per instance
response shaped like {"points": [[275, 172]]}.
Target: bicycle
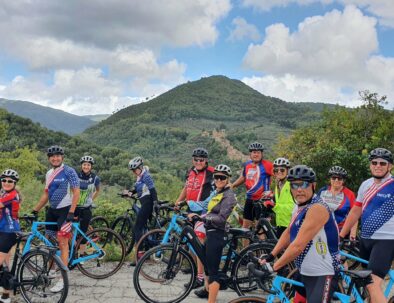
{"points": [[105, 249], [31, 274], [124, 224], [172, 265]]}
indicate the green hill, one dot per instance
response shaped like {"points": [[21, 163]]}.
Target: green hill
{"points": [[48, 117]]}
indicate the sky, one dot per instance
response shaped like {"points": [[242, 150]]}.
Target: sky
{"points": [[97, 56]]}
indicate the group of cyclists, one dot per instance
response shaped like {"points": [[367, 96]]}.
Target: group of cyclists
{"points": [[310, 223]]}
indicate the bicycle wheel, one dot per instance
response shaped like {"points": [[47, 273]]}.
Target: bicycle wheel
{"points": [[35, 279], [124, 227], [242, 284], [151, 239], [352, 250], [97, 222], [157, 281], [248, 299], [113, 249]]}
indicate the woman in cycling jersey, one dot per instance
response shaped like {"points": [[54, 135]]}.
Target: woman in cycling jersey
{"points": [[9, 223], [145, 189], [218, 210]]}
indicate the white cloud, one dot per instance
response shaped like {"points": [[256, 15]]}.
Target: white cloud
{"points": [[243, 30]]}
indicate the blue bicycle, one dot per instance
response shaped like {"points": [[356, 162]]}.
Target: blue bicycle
{"points": [[104, 250]]}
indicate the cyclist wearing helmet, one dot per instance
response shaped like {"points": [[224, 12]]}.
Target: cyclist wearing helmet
{"points": [[220, 207], [311, 238], [198, 187], [338, 197], [256, 175], [145, 189], [9, 223], [284, 203], [375, 205], [89, 184], [62, 192]]}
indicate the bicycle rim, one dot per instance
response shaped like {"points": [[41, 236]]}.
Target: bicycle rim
{"points": [[151, 239], [113, 249], [124, 227], [150, 275], [35, 279]]}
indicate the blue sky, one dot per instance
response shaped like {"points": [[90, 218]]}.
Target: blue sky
{"points": [[90, 58]]}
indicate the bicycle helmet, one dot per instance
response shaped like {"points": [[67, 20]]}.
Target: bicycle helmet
{"points": [[301, 172], [381, 153], [135, 163], [88, 159], [337, 171], [222, 168], [200, 152], [55, 150], [256, 146], [282, 162], [10, 173]]}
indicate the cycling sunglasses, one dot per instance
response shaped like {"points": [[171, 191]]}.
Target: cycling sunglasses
{"points": [[7, 181], [220, 177], [336, 178], [199, 159], [303, 185], [282, 170], [381, 163]]}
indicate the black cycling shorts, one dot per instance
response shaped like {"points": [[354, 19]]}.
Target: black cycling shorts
{"points": [[58, 215], [7, 240], [379, 253], [216, 240], [319, 289], [250, 212]]}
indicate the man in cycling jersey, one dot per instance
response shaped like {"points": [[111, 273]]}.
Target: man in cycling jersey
{"points": [[198, 187], [62, 192], [256, 175], [375, 205], [311, 238]]}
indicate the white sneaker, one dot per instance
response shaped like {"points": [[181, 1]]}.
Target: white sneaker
{"points": [[8, 300], [52, 273], [58, 286]]}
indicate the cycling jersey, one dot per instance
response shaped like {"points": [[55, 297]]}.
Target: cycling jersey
{"points": [[340, 204], [145, 185], [58, 184], [377, 202], [9, 221], [257, 178], [199, 184], [321, 255], [88, 185], [284, 205]]}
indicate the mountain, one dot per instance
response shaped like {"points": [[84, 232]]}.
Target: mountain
{"points": [[169, 126], [50, 118], [97, 118]]}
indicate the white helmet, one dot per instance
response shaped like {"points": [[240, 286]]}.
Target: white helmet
{"points": [[10, 173], [88, 159], [135, 163], [222, 168], [282, 162]]}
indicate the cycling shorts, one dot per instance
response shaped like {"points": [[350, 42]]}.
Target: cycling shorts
{"points": [[58, 215], [216, 240], [379, 253], [319, 289], [251, 212], [7, 240]]}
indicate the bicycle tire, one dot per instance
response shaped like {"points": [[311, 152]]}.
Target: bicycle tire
{"points": [[114, 250], [125, 228], [97, 222], [159, 257], [249, 299], [149, 240], [239, 270], [34, 277]]}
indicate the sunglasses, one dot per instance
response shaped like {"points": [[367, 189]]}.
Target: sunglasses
{"points": [[336, 178], [220, 177], [198, 160], [282, 170], [7, 181], [381, 163], [303, 185]]}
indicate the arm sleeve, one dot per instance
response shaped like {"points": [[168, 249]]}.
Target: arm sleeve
{"points": [[149, 182], [226, 207], [72, 177], [97, 182], [10, 198], [360, 196], [153, 194]]}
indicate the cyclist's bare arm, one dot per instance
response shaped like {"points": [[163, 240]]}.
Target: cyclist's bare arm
{"points": [[43, 200], [96, 193], [238, 182], [352, 218], [283, 242], [182, 196], [76, 193]]}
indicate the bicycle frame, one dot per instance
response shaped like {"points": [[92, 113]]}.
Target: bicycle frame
{"points": [[76, 230]]}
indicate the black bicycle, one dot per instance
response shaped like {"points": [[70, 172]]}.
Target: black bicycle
{"points": [[35, 273]]}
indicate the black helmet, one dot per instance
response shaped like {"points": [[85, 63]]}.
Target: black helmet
{"points": [[135, 163], [222, 168], [301, 172], [337, 171], [200, 152], [381, 153], [10, 173], [88, 159], [256, 146], [282, 162], [55, 150]]}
